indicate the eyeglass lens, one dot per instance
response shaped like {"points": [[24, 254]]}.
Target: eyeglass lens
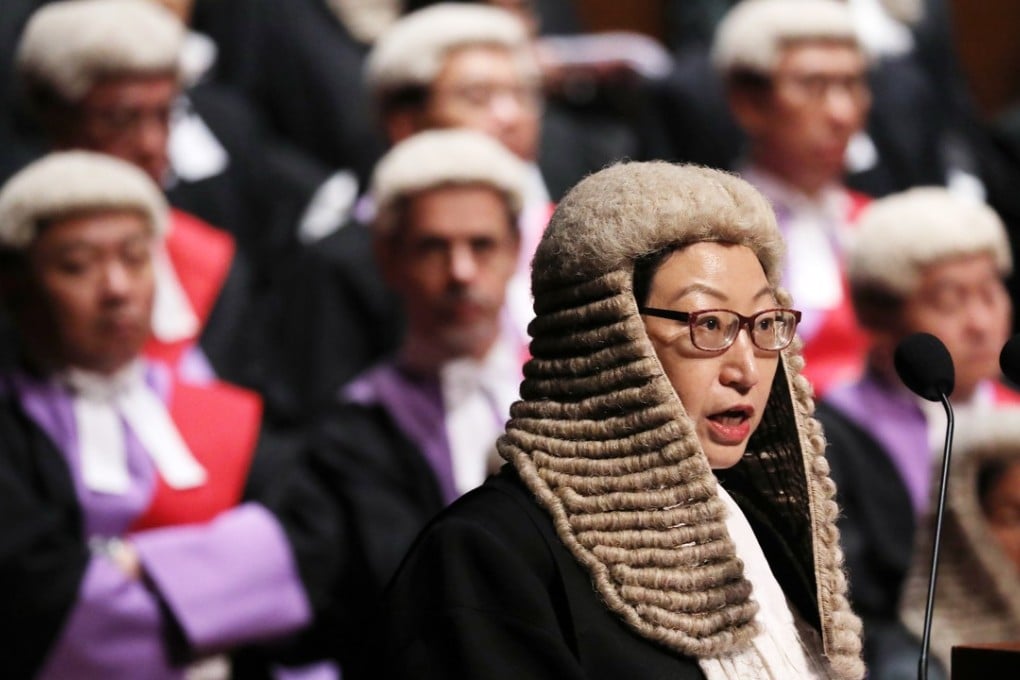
{"points": [[770, 330]]}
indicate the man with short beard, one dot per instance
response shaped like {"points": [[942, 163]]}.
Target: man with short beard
{"points": [[412, 433]]}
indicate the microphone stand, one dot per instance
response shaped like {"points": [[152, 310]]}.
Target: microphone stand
{"points": [[922, 666]]}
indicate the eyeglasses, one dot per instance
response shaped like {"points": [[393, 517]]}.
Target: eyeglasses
{"points": [[115, 120], [713, 330], [815, 87], [484, 95]]}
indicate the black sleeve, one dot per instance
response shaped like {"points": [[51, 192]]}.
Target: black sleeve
{"points": [[330, 317], [473, 603], [316, 519], [382, 477], [283, 479], [42, 554]]}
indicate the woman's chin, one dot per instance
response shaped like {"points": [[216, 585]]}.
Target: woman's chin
{"points": [[722, 457]]}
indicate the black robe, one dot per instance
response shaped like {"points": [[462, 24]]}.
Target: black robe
{"points": [[44, 554], [390, 490], [877, 528], [489, 591], [330, 318]]}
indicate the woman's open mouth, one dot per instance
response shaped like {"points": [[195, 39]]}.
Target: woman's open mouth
{"points": [[732, 426]]}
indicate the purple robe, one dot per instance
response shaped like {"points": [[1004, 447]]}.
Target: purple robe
{"points": [[416, 405], [893, 417], [227, 582]]}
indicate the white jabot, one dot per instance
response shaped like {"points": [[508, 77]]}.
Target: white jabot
{"points": [[173, 317], [198, 55], [330, 207], [103, 407], [476, 399], [195, 153], [778, 651]]}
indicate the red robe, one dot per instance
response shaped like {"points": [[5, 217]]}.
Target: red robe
{"points": [[220, 424], [201, 255], [837, 351]]}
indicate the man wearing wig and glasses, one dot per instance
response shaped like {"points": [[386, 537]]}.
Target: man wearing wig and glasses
{"points": [[665, 509], [796, 83]]}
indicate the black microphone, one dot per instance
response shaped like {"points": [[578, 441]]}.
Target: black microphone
{"points": [[1009, 359], [924, 365]]}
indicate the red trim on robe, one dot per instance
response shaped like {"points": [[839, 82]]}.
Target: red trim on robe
{"points": [[201, 255], [836, 352], [220, 424], [1004, 395]]}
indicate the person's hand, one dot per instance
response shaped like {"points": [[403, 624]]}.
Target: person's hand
{"points": [[125, 556], [121, 552]]}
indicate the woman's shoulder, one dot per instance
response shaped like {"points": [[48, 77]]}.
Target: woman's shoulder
{"points": [[502, 510]]}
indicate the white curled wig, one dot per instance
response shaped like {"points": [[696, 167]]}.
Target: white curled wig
{"points": [[411, 52], [68, 46], [752, 35], [70, 183], [448, 157], [901, 234]]}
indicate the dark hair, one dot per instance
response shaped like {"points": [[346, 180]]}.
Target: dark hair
{"points": [[409, 97], [749, 80], [645, 268]]}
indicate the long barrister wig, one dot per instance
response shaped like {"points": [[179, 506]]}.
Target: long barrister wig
{"points": [[602, 440]]}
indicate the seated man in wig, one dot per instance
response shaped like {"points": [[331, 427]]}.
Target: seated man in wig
{"points": [[418, 429], [923, 261], [130, 536], [451, 65], [796, 82]]}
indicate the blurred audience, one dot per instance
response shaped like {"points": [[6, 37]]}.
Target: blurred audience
{"points": [[103, 75], [448, 65], [922, 261], [795, 78], [202, 142], [921, 129]]}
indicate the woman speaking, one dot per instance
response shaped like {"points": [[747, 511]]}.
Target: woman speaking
{"points": [[666, 509]]}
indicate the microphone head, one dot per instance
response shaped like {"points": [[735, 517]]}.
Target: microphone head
{"points": [[924, 365], [1009, 359]]}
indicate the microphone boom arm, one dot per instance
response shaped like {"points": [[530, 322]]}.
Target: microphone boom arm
{"points": [[922, 666]]}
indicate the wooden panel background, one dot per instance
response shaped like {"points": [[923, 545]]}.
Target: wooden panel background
{"points": [[986, 32]]}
